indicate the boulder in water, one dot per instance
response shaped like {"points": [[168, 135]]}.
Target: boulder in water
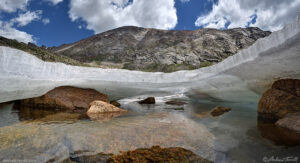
{"points": [[219, 110], [66, 98], [103, 107], [102, 111], [173, 102], [149, 100], [290, 121], [281, 99], [277, 134]]}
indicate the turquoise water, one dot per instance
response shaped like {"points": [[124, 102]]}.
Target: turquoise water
{"points": [[38, 135]]}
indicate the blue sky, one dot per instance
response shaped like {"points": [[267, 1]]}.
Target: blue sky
{"points": [[54, 22]]}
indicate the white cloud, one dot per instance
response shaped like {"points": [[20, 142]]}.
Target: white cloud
{"points": [[271, 14], [25, 18], [46, 21], [6, 30], [12, 5], [104, 15], [184, 1], [54, 2]]}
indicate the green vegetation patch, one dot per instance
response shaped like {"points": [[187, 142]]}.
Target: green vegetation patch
{"points": [[156, 67]]}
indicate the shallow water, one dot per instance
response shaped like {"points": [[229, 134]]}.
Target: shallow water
{"points": [[38, 135]]}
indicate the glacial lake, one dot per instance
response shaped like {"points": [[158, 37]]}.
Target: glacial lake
{"points": [[38, 135]]}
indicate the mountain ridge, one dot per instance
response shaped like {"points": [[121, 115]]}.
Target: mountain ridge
{"points": [[148, 49]]}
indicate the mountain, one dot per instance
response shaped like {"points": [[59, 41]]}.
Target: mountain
{"points": [[146, 49], [39, 52]]}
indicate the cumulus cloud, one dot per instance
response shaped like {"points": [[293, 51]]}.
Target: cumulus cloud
{"points": [[6, 30], [104, 15], [267, 14], [25, 18], [12, 5], [54, 2]]}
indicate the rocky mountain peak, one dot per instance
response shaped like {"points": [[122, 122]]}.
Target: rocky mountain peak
{"points": [[149, 49]]}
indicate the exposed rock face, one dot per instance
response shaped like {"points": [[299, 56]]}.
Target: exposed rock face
{"points": [[161, 50], [66, 98], [281, 99], [290, 121], [172, 102], [149, 100], [145, 155], [103, 107], [219, 110]]}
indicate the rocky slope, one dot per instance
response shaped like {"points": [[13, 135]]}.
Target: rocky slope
{"points": [[40, 52], [160, 50]]}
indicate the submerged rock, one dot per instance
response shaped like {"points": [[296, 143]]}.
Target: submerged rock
{"points": [[173, 102], [145, 155], [104, 116], [290, 121], [158, 154], [66, 98], [115, 103], [281, 99], [277, 134], [149, 100], [219, 110]]}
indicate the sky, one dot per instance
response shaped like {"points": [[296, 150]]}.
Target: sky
{"points": [[55, 22]]}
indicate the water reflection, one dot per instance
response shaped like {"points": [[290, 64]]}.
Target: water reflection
{"points": [[29, 114], [277, 134]]}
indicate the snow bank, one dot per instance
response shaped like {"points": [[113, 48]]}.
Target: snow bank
{"points": [[242, 77]]}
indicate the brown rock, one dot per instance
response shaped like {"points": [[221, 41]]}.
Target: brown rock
{"points": [[144, 155], [66, 98], [115, 103], [278, 135], [172, 102], [158, 154], [291, 86], [219, 110], [281, 99], [290, 121], [149, 100], [103, 107], [103, 111]]}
